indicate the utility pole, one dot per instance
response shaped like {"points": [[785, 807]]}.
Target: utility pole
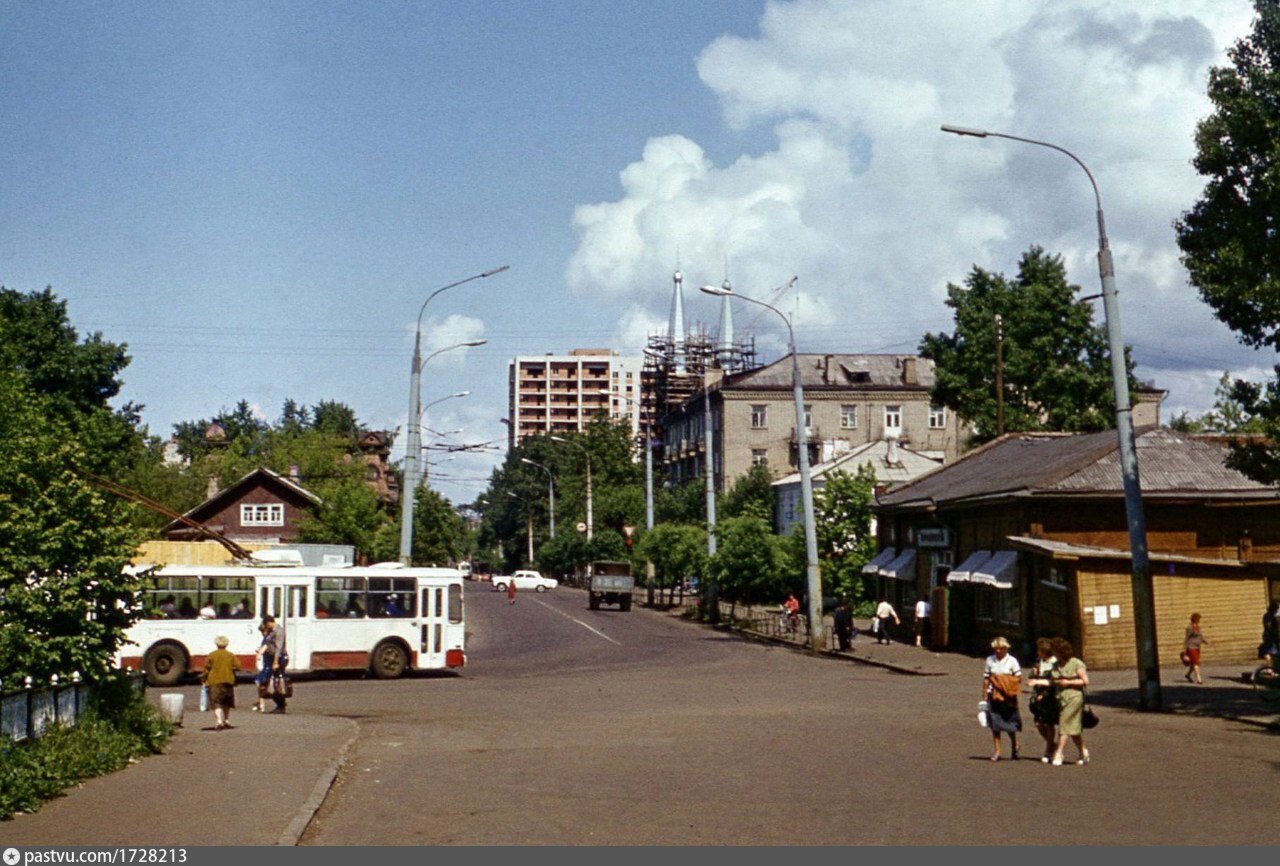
{"points": [[999, 375], [713, 597]]}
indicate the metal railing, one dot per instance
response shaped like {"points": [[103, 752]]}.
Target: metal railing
{"points": [[27, 713]]}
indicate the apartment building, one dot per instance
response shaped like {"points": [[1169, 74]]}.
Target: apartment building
{"points": [[850, 400], [556, 394]]}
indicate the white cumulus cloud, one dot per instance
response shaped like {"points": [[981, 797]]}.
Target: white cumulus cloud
{"points": [[876, 210]]}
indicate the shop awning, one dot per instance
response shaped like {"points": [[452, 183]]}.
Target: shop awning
{"points": [[882, 559], [963, 573], [1000, 571], [903, 567]]}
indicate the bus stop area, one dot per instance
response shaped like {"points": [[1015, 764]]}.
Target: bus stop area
{"points": [[256, 784]]}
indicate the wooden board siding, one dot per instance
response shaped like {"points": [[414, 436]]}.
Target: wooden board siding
{"points": [[1231, 606], [188, 552]]}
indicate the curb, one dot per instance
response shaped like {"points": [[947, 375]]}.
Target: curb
{"points": [[307, 811], [830, 653]]}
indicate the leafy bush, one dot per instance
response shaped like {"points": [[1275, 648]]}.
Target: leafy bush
{"points": [[120, 725]]}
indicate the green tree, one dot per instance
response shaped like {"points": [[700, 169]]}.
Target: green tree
{"points": [[1229, 240], [686, 503], [747, 567], [843, 523], [350, 513], [750, 496], [677, 550], [439, 534], [64, 599], [1057, 374]]}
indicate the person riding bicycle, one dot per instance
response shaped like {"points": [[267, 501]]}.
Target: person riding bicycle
{"points": [[791, 607]]}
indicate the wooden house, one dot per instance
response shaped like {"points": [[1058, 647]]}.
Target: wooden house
{"points": [[1027, 537], [263, 506]]}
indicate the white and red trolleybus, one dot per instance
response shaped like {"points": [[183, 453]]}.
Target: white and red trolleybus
{"points": [[383, 618]]}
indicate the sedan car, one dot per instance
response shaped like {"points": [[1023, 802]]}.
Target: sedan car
{"points": [[524, 580]]}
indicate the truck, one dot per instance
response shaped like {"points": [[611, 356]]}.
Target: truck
{"points": [[611, 583]]}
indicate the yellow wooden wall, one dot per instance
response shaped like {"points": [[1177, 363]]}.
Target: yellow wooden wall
{"points": [[1229, 601], [188, 552]]}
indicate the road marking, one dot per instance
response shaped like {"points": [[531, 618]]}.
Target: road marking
{"points": [[578, 621]]}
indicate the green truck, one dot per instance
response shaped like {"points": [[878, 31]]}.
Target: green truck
{"points": [[611, 583]]}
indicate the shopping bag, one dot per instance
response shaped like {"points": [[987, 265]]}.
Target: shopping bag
{"points": [[204, 699]]}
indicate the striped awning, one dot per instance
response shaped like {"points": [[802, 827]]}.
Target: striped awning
{"points": [[903, 567], [1000, 570], [963, 573], [882, 559]]}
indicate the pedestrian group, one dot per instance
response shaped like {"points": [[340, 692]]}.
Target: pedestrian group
{"points": [[221, 666]]}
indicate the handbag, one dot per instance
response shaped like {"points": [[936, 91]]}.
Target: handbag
{"points": [[1088, 719], [1184, 657], [281, 686]]}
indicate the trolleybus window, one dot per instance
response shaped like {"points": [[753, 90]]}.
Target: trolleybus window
{"points": [[341, 597], [455, 603], [230, 597], [392, 596], [172, 597]]}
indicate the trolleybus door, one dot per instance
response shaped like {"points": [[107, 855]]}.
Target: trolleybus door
{"points": [[289, 603], [433, 610]]}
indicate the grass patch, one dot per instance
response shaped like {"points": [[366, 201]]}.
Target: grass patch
{"points": [[120, 725]]}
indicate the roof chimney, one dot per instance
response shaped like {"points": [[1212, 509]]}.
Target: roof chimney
{"points": [[909, 375], [826, 369], [891, 451]]}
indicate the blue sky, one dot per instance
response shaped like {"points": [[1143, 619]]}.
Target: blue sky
{"points": [[258, 197]]}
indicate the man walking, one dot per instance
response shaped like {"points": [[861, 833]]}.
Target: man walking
{"points": [[884, 613], [843, 621]]}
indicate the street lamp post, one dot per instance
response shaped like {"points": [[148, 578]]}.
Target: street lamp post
{"points": [[812, 572], [590, 517], [648, 484], [528, 525], [412, 475], [415, 401], [1144, 615], [551, 493]]}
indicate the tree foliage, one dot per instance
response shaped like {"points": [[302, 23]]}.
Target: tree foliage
{"points": [[750, 496], [1057, 373], [843, 522], [64, 599], [748, 566], [1230, 239]]}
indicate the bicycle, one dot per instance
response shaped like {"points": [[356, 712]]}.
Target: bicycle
{"points": [[1266, 683]]}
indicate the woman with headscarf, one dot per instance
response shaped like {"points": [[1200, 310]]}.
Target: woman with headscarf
{"points": [[219, 675]]}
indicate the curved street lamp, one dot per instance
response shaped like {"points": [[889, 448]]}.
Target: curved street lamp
{"points": [[590, 520], [415, 402], [812, 571], [1144, 613], [551, 493]]}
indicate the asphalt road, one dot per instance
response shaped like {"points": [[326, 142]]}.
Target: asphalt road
{"points": [[570, 726]]}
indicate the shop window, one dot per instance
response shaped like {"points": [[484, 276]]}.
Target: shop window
{"points": [[1010, 610], [982, 605]]}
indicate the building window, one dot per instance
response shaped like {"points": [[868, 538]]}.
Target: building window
{"points": [[1055, 577], [1010, 610], [943, 562], [848, 417], [759, 457], [937, 417], [759, 417], [262, 515], [808, 418], [982, 604], [892, 420]]}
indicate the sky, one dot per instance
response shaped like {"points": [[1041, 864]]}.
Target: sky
{"points": [[258, 198]]}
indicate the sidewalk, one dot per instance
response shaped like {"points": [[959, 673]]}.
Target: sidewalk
{"points": [[256, 784], [1226, 694]]}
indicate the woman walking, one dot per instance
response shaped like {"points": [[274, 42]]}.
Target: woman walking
{"points": [[1069, 678], [1001, 683], [1044, 701], [219, 675], [1191, 650]]}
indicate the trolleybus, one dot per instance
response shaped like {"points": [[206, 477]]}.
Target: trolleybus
{"points": [[383, 618]]}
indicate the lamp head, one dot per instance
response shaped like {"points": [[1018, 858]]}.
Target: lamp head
{"points": [[496, 271], [474, 343], [558, 439], [461, 394], [718, 291], [964, 130]]}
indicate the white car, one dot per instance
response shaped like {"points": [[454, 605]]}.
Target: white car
{"points": [[524, 580]]}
